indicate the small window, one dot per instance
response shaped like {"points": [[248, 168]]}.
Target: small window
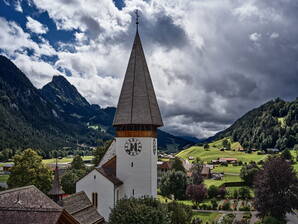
{"points": [[94, 177], [133, 192], [131, 164], [94, 199]]}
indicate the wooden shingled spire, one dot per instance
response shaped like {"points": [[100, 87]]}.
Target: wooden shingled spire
{"points": [[137, 103]]}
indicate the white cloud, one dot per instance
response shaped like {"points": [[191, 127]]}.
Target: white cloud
{"points": [[18, 6], [205, 69], [255, 37], [35, 26]]}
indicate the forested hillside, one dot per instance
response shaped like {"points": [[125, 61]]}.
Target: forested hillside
{"points": [[55, 116], [272, 125]]}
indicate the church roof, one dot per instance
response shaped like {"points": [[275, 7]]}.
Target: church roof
{"points": [[110, 153], [56, 187], [28, 205], [137, 102], [80, 207], [109, 171]]}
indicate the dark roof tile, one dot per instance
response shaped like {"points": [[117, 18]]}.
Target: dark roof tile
{"points": [[80, 207]]}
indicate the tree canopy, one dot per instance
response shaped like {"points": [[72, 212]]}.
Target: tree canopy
{"points": [[276, 188], [272, 125], [149, 211], [77, 163], [139, 211], [173, 183], [73, 174], [99, 152], [196, 192], [178, 165], [28, 169], [248, 173]]}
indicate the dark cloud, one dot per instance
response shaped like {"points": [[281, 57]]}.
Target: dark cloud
{"points": [[211, 61], [93, 26]]}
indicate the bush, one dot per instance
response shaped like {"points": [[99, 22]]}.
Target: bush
{"points": [[139, 210], [214, 203], [244, 193], [228, 219], [179, 213], [204, 206], [226, 206], [235, 194], [213, 191], [222, 192]]}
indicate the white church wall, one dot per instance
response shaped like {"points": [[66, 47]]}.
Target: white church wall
{"points": [[95, 182], [139, 172], [154, 169]]}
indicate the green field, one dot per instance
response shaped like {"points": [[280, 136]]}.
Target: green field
{"points": [[227, 169], [225, 179], [207, 217], [215, 153], [65, 160], [51, 161]]}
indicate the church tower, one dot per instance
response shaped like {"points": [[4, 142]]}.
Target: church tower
{"points": [[136, 121], [129, 167]]}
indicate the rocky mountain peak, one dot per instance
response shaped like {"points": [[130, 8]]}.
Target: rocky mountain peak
{"points": [[60, 90]]}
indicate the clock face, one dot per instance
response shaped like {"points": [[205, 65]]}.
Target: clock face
{"points": [[154, 146], [133, 146]]}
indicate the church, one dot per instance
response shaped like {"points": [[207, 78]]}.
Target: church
{"points": [[129, 167]]}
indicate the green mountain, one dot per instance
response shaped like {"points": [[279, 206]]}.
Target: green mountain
{"points": [[272, 125], [55, 116], [29, 120]]}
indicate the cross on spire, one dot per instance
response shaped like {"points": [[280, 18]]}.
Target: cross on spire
{"points": [[137, 18]]}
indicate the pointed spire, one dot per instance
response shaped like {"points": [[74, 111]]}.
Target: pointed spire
{"points": [[56, 192], [137, 102]]}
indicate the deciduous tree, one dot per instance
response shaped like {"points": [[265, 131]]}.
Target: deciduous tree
{"points": [[99, 152], [178, 165], [286, 154], [77, 163], [197, 193], [69, 179], [213, 191], [276, 188], [28, 169], [248, 172], [196, 170], [173, 183]]}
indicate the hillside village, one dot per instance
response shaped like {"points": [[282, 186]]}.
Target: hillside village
{"points": [[221, 169]]}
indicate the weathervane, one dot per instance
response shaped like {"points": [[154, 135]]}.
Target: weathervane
{"points": [[137, 18]]}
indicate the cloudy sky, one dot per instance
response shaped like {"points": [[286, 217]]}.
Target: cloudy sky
{"points": [[210, 60]]}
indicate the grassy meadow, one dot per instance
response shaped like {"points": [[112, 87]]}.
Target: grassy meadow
{"points": [[225, 179], [64, 160], [214, 152]]}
